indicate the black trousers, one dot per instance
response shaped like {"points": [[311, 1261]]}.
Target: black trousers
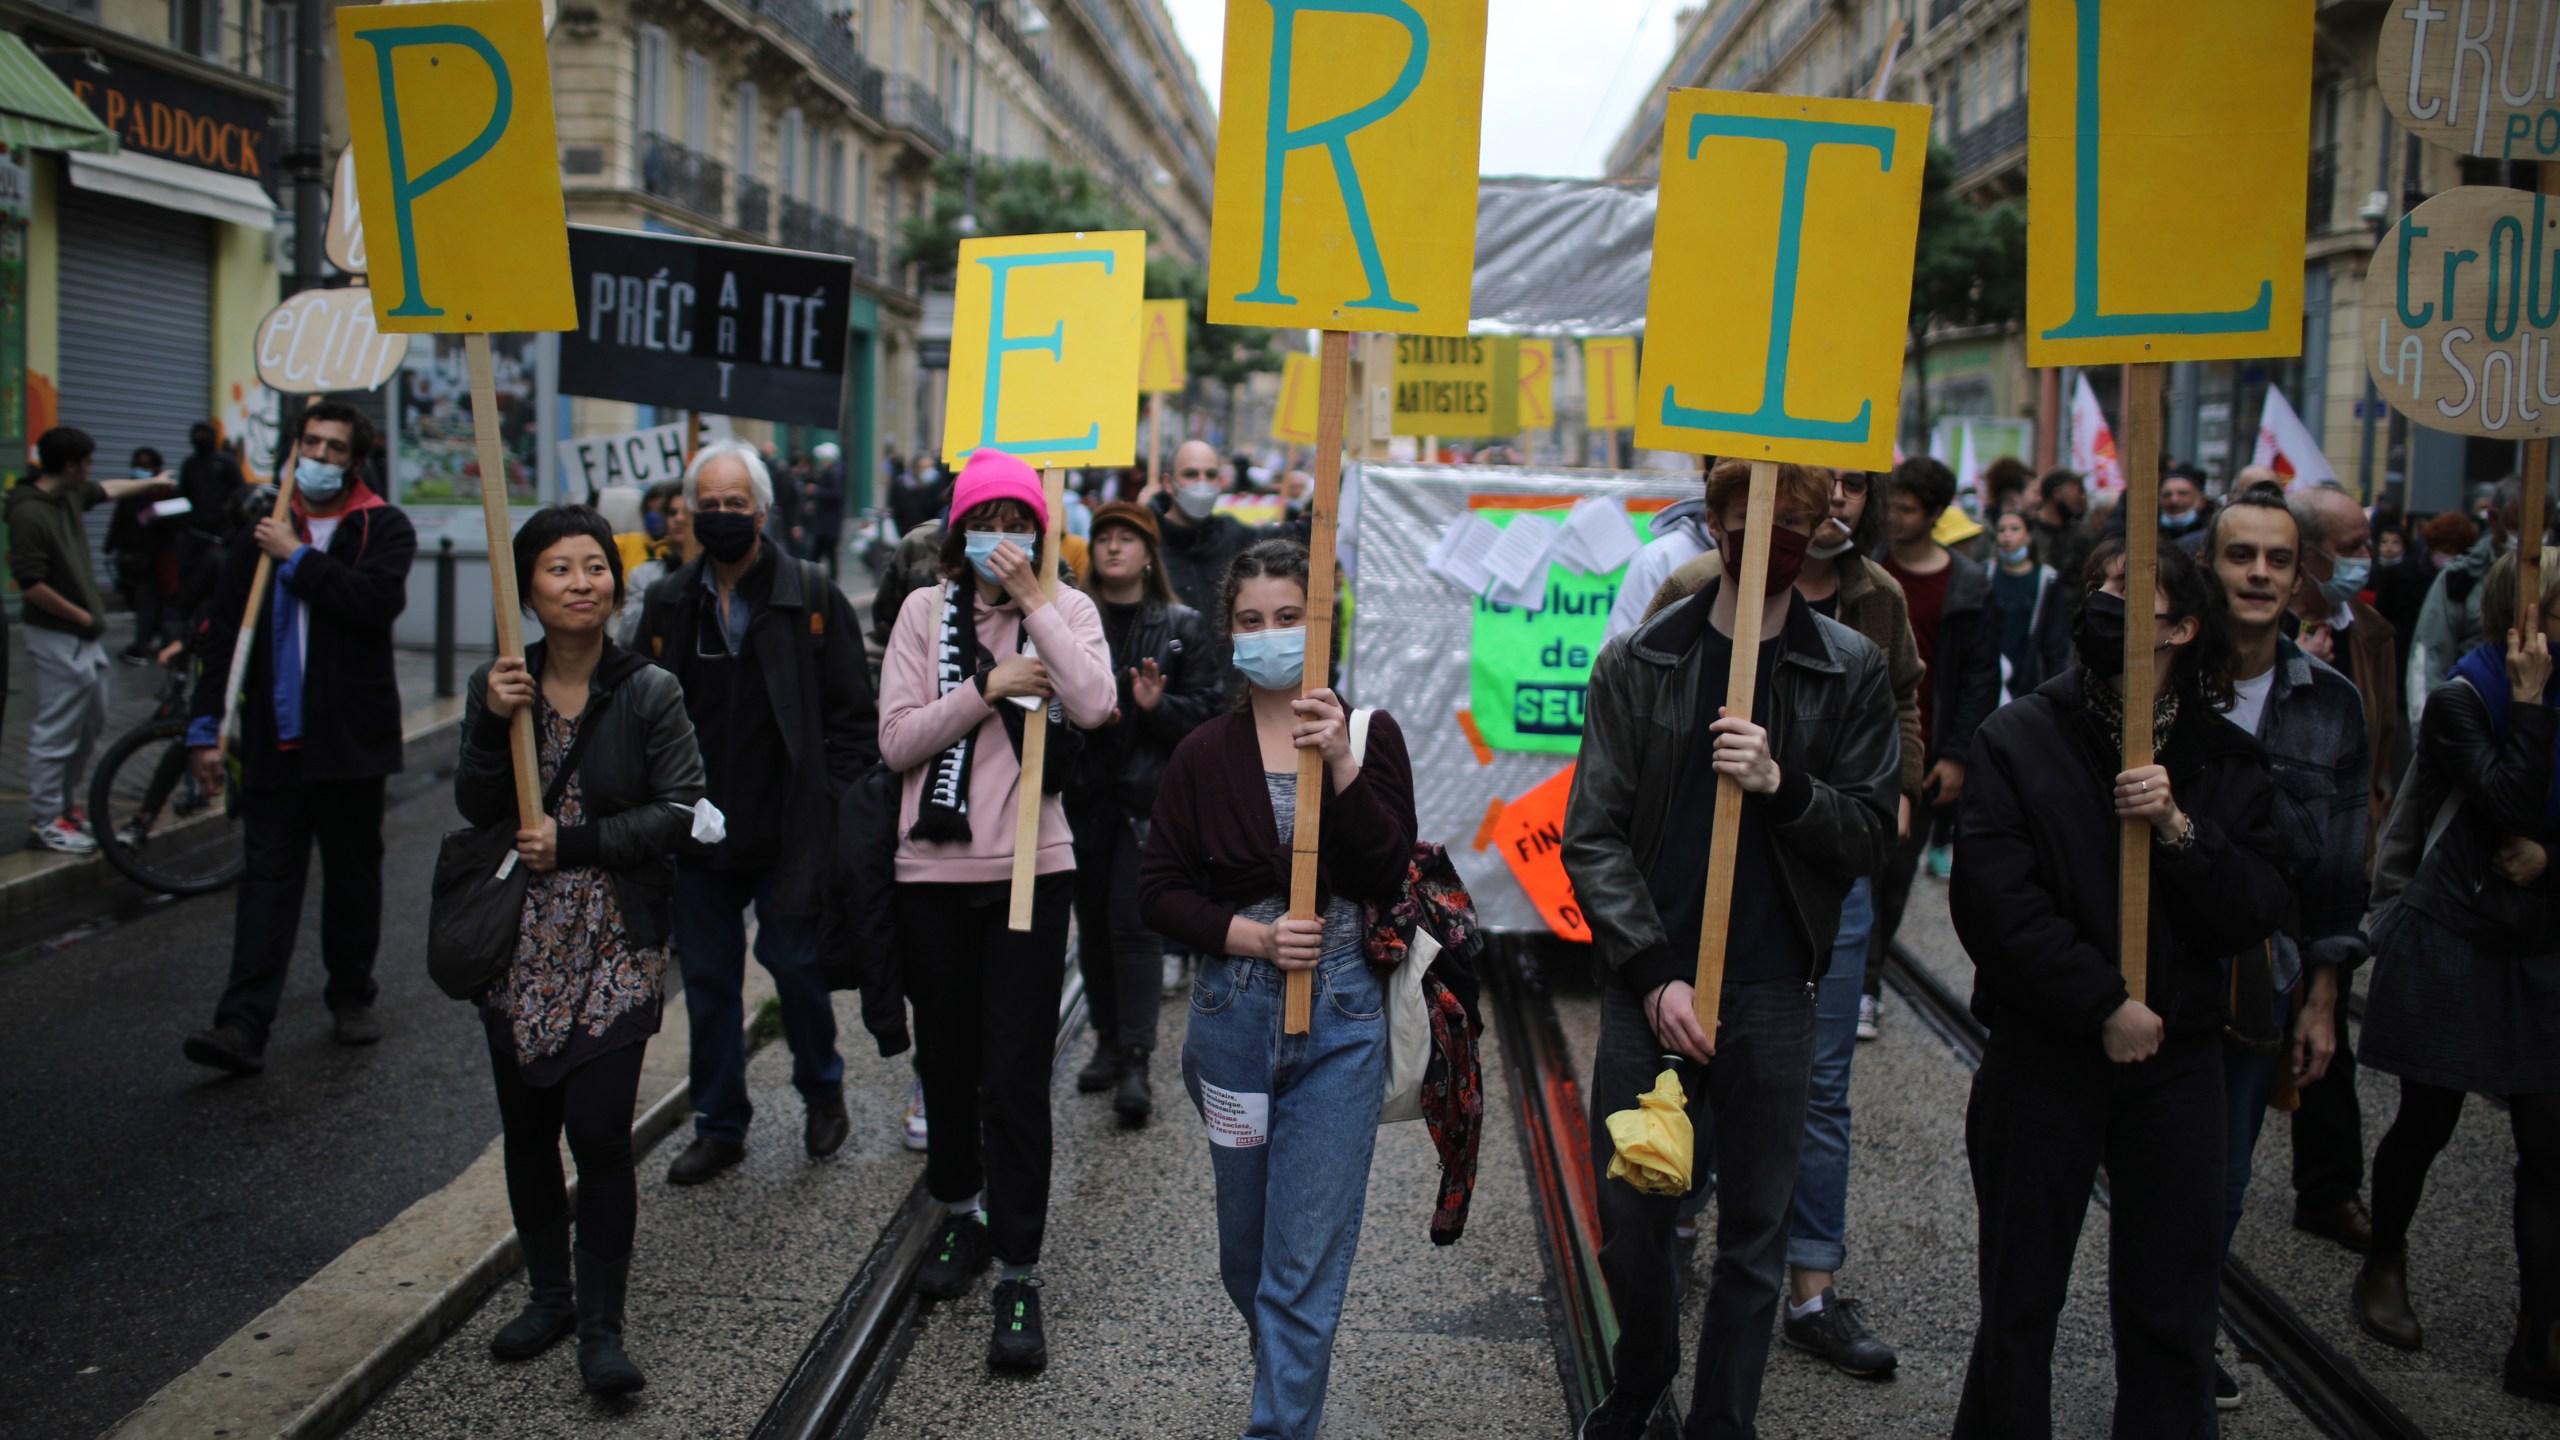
{"points": [[2328, 1132], [1749, 1115], [986, 1003], [279, 827], [2045, 1114], [2419, 1133], [1893, 892], [593, 1103], [1122, 960]]}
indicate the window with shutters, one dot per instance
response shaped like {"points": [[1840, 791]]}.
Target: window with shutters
{"points": [[835, 178], [697, 102], [746, 129], [650, 89], [786, 169]]}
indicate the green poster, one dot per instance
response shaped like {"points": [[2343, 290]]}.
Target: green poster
{"points": [[1530, 667]]}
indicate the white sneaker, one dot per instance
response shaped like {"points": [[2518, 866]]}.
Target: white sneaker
{"points": [[914, 1135], [1172, 972], [1870, 1015], [63, 837]]}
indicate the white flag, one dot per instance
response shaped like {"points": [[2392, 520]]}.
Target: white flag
{"points": [[2093, 445], [2286, 447], [1969, 470]]}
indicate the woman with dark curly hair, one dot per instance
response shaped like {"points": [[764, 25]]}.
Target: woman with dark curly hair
{"points": [[2078, 1071]]}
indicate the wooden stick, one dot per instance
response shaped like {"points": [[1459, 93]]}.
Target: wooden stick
{"points": [[502, 567], [2141, 583], [1750, 604], [2532, 516], [1155, 441], [1884, 64], [1333, 382], [1035, 726], [258, 581]]}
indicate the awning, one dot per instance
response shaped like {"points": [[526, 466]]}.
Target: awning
{"points": [[173, 186], [39, 112]]}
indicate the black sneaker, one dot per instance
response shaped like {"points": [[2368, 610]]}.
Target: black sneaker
{"points": [[702, 1158], [1835, 1333], [1613, 1419], [958, 1254], [1019, 1343], [226, 1047], [2226, 1390], [1101, 1072]]}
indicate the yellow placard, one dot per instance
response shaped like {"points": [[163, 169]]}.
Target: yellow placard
{"points": [[1537, 384], [1609, 383], [1781, 290], [457, 166], [1464, 386], [2133, 102], [1346, 180], [1164, 347], [1044, 348], [1293, 420]]}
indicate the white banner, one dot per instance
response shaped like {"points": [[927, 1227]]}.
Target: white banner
{"points": [[635, 457]]}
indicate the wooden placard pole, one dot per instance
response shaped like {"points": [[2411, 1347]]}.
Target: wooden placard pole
{"points": [[502, 566], [1155, 441], [1750, 604], [258, 581], [1333, 381], [2141, 581], [1035, 726], [2534, 510]]}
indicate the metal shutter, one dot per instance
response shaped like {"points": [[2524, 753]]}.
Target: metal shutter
{"points": [[136, 301]]}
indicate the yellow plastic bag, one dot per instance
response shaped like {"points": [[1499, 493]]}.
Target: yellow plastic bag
{"points": [[1655, 1144]]}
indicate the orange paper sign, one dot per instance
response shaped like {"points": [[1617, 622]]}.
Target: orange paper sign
{"points": [[1530, 835]]}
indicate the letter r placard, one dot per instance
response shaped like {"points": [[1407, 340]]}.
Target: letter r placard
{"points": [[1045, 336], [457, 166], [2133, 105], [1781, 277], [1346, 179]]}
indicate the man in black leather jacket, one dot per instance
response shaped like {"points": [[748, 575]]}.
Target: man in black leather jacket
{"points": [[1819, 761]]}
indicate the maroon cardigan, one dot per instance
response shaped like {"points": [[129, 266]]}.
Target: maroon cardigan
{"points": [[1214, 847]]}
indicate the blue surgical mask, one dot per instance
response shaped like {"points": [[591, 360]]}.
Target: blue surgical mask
{"points": [[982, 550], [1273, 659], [2015, 557], [2188, 521], [318, 481], [2347, 576]]}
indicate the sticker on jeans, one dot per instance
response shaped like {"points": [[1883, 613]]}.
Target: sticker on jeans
{"points": [[1238, 1122]]}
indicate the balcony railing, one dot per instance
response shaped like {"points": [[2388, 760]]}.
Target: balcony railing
{"points": [[2324, 187], [914, 109], [806, 227], [691, 180], [831, 43], [1993, 138], [755, 200]]}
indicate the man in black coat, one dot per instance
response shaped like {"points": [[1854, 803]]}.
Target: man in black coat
{"points": [[318, 732], [771, 659], [1199, 540]]}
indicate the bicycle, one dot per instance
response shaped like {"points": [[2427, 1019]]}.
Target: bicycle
{"points": [[153, 819]]}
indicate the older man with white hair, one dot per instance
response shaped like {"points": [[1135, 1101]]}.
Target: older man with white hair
{"points": [[771, 660]]}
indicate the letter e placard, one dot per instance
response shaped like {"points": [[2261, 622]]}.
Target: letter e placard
{"points": [[2133, 104], [1044, 348], [1781, 277], [458, 166], [1346, 189]]}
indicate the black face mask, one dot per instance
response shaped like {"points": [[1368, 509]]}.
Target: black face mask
{"points": [[727, 536], [2099, 633]]}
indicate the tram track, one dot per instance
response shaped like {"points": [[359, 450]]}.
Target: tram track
{"points": [[850, 1364], [2330, 1389]]}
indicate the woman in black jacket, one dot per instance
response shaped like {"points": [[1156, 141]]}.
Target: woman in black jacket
{"points": [[1171, 678], [2466, 977], [2079, 1070], [568, 1019]]}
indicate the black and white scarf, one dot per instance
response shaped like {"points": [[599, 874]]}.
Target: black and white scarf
{"points": [[942, 813]]}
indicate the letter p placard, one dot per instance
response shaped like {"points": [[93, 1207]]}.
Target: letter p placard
{"points": [[449, 120], [1781, 281]]}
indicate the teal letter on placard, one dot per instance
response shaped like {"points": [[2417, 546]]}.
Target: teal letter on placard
{"points": [[1802, 138], [406, 188], [1335, 136], [999, 345], [2085, 322]]}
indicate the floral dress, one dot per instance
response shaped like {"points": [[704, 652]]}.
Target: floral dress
{"points": [[578, 985]]}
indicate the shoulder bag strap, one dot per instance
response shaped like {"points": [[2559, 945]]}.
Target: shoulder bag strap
{"points": [[587, 728]]}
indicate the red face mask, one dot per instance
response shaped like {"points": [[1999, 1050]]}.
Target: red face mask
{"points": [[1786, 557]]}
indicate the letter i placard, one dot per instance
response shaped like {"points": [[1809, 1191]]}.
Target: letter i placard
{"points": [[458, 169]]}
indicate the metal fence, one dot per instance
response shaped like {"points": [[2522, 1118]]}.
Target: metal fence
{"points": [[690, 179]]}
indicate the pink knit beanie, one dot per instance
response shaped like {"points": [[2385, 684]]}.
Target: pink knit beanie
{"points": [[994, 475]]}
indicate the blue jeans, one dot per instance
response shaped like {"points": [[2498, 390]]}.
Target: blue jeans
{"points": [[2248, 1082], [1293, 1120], [711, 946], [1817, 1236]]}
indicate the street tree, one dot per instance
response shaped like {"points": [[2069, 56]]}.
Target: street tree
{"points": [[1969, 268]]}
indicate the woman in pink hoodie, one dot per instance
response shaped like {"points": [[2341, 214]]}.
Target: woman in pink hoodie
{"points": [[967, 661]]}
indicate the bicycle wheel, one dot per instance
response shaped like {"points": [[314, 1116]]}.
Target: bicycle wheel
{"points": [[155, 823]]}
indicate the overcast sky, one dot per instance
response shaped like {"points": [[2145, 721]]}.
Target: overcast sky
{"points": [[1560, 75]]}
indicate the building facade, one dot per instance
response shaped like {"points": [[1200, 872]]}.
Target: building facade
{"points": [[1967, 59]]}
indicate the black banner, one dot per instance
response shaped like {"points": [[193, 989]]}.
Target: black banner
{"points": [[157, 113], [700, 325]]}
